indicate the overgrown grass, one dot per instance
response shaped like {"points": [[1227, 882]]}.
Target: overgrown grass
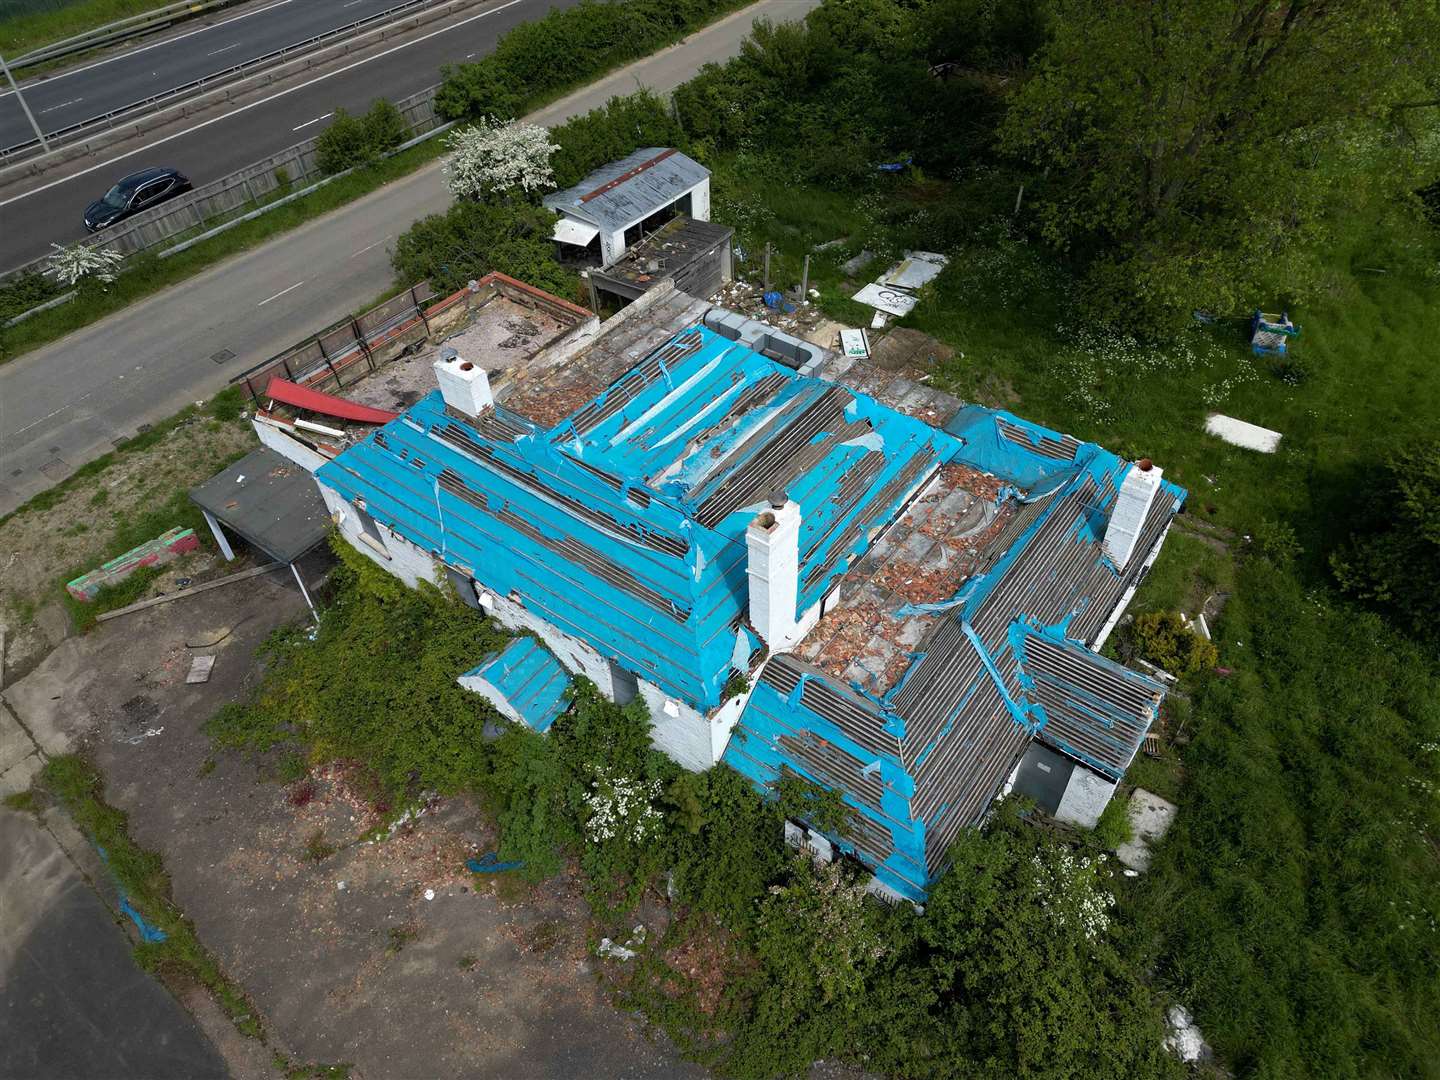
{"points": [[141, 874]]}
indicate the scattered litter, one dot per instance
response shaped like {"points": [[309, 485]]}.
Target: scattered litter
{"points": [[773, 300], [814, 294], [626, 951], [616, 952], [200, 668], [1130, 873], [878, 321], [1184, 1038], [1242, 434], [1270, 334], [429, 894], [917, 269], [341, 886], [490, 863]]}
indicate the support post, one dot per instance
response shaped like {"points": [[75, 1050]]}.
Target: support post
{"points": [[305, 593], [23, 106], [805, 280], [767, 266], [220, 540], [594, 296]]}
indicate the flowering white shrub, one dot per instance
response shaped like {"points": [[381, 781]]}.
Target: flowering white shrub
{"points": [[621, 807], [495, 157], [78, 261], [1070, 892]]}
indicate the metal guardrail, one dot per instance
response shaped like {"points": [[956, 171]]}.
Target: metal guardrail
{"points": [[220, 200], [119, 30], [81, 128]]}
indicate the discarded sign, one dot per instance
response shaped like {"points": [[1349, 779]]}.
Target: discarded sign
{"points": [[854, 343], [886, 298]]}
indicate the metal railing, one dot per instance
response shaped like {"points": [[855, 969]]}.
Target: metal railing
{"points": [[154, 102], [119, 30], [348, 350]]}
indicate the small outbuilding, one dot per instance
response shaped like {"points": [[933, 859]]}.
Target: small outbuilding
{"points": [[617, 205]]}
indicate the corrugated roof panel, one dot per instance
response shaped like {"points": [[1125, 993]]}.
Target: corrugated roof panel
{"points": [[530, 679], [629, 190]]}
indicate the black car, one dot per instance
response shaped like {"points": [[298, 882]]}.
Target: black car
{"points": [[138, 191]]}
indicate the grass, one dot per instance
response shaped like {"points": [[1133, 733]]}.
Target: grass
{"points": [[23, 801], [59, 19], [141, 874], [317, 847]]}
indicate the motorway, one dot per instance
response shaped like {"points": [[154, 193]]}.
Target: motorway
{"points": [[90, 90], [64, 404], [210, 149]]}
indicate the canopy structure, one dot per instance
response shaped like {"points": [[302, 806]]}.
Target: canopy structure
{"points": [[570, 231]]}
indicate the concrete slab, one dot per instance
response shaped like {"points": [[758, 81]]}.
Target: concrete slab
{"points": [[1150, 818], [20, 776], [72, 1001]]}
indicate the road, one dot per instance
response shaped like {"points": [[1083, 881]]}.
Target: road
{"points": [[62, 405], [90, 90], [214, 148]]}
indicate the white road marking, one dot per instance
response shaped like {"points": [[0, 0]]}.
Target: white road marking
{"points": [[227, 48], [168, 41], [352, 3], [367, 247], [279, 294], [148, 147], [52, 108], [317, 119]]}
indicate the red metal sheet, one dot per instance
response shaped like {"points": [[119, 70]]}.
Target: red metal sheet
{"points": [[302, 397]]}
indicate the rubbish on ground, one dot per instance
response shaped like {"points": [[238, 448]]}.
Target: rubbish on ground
{"points": [[429, 894], [1150, 818], [1270, 334], [616, 952], [772, 300], [162, 549], [854, 343], [490, 863], [894, 166], [885, 298], [196, 591], [1242, 434], [878, 320], [918, 268], [200, 668], [1184, 1038], [341, 885]]}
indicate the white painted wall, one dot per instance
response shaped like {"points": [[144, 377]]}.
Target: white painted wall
{"points": [[287, 446], [403, 559], [1086, 796]]}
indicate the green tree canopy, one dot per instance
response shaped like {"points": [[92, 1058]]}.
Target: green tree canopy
{"points": [[1191, 148]]}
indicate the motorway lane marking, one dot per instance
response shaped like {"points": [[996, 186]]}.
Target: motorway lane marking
{"points": [[52, 108], [367, 247], [279, 294], [156, 45], [317, 119], [227, 48], [148, 147]]}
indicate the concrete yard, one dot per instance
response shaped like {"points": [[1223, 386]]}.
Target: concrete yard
{"points": [[345, 958]]}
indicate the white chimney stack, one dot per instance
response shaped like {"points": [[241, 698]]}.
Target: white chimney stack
{"points": [[466, 386], [1132, 506], [773, 543]]}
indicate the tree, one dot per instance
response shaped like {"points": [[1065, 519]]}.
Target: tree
{"points": [[80, 263], [1192, 147], [491, 158], [472, 238], [1394, 560], [350, 141]]}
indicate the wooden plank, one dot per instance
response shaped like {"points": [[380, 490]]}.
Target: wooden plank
{"points": [[143, 604]]}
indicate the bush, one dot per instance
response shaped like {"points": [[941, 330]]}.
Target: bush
{"points": [[26, 291], [352, 141], [1163, 639], [619, 127], [472, 238], [538, 60]]}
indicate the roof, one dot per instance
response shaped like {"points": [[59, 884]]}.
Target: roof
{"points": [[631, 189], [270, 501], [917, 709], [623, 522], [667, 252], [530, 680]]}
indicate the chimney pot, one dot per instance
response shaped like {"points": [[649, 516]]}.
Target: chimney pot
{"points": [[465, 386], [1145, 464]]}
